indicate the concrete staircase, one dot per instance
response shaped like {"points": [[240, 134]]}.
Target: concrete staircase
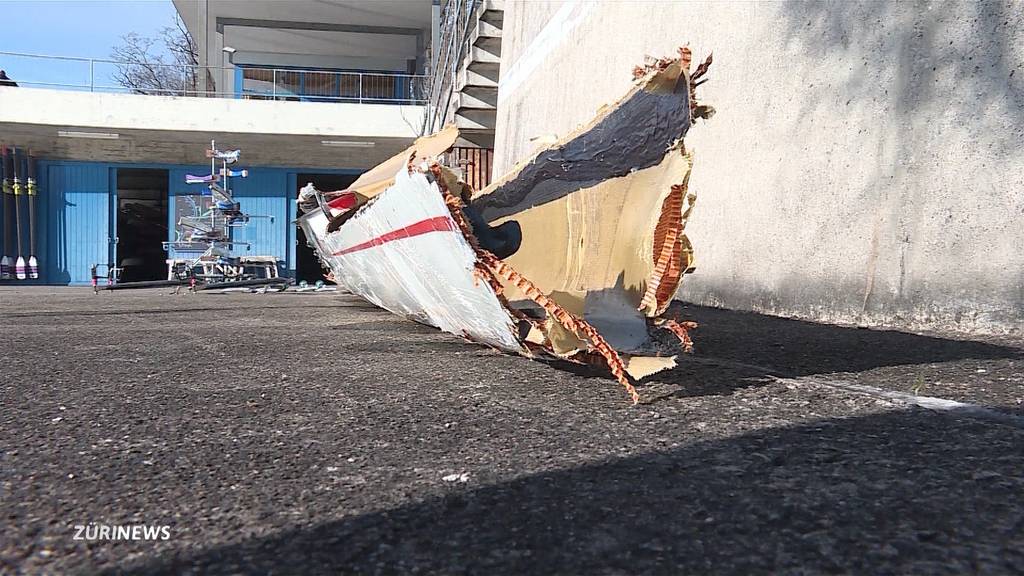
{"points": [[475, 98]]}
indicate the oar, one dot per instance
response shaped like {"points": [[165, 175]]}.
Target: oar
{"points": [[6, 264], [19, 266], [33, 265]]}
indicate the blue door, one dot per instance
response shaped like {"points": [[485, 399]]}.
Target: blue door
{"points": [[80, 200]]}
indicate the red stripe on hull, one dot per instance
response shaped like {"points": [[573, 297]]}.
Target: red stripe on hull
{"points": [[436, 224], [343, 202]]}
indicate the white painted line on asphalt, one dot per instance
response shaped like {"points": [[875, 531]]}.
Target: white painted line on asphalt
{"points": [[900, 398], [927, 402]]}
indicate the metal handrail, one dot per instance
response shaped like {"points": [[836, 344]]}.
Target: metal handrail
{"points": [[450, 39], [457, 16], [362, 80]]}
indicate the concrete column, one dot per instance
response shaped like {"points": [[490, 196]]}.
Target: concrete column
{"points": [[202, 38], [225, 73], [435, 32], [420, 62]]}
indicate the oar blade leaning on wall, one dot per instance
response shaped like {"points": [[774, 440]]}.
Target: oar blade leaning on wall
{"points": [[6, 264], [33, 264], [19, 266]]}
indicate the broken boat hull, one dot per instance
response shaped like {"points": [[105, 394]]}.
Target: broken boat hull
{"points": [[405, 253], [599, 247]]}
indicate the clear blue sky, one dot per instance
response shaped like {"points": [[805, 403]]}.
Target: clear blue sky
{"points": [[85, 28]]}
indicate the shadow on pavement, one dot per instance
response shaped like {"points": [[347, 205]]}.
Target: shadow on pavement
{"points": [[798, 348], [735, 350], [903, 492]]}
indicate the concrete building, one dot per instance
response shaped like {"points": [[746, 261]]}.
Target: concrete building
{"points": [[467, 69], [310, 91], [307, 42], [865, 164]]}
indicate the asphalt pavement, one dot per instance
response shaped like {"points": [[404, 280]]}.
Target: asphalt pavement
{"points": [[310, 433]]}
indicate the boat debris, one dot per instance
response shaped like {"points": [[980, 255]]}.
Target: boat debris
{"points": [[575, 254]]}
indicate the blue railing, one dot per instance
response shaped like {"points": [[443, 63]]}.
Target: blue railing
{"points": [[329, 85], [99, 75]]}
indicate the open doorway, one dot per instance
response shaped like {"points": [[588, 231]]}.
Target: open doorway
{"points": [[141, 223], [307, 265]]}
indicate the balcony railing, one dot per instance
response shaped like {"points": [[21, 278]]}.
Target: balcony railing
{"points": [[286, 84], [332, 86]]}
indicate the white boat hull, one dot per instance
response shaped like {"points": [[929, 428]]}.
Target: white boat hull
{"points": [[404, 253]]}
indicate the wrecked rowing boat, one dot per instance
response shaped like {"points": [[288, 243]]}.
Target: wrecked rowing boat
{"points": [[576, 253]]}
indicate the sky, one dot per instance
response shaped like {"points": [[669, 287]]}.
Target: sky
{"points": [[80, 28]]}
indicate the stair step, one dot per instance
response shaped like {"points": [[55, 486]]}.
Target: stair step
{"points": [[493, 12], [498, 5], [473, 138], [490, 45], [474, 99], [487, 94], [489, 69], [476, 119], [485, 29], [493, 17], [479, 55], [469, 78]]}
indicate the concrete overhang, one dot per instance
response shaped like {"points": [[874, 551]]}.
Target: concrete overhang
{"points": [[166, 129], [391, 32], [411, 14]]}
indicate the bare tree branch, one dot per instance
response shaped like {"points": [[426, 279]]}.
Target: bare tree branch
{"points": [[144, 69]]}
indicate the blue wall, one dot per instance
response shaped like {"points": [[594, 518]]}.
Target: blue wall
{"points": [[265, 196], [77, 213], [76, 231]]}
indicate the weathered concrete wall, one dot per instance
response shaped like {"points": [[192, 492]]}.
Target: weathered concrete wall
{"points": [[866, 164]]}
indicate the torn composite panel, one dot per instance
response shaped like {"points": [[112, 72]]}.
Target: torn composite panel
{"points": [[602, 214], [404, 253]]}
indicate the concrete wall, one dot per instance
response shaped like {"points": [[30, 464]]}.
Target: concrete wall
{"points": [[866, 164], [173, 130]]}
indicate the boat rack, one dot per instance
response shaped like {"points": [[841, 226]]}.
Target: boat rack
{"points": [[202, 252]]}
